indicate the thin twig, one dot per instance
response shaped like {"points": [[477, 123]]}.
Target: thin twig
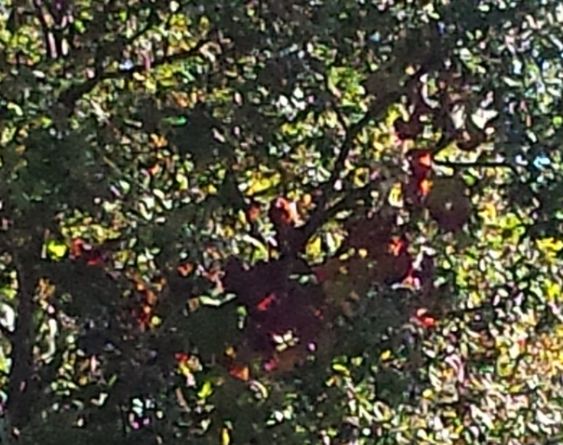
{"points": [[445, 140], [475, 164], [73, 94], [353, 131], [45, 29], [321, 213], [318, 217]]}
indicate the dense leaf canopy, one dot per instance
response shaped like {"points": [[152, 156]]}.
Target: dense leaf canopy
{"points": [[287, 222]]}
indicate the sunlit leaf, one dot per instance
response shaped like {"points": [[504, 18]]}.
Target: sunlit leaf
{"points": [[56, 249]]}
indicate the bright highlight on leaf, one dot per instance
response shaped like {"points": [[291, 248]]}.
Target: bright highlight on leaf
{"points": [[550, 247], [206, 390], [56, 250], [225, 436], [314, 247], [261, 181], [341, 369], [396, 195]]}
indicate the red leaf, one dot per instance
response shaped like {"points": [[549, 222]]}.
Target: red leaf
{"points": [[181, 357], [420, 163], [185, 269], [266, 303], [422, 318]]}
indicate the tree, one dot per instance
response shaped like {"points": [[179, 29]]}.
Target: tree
{"points": [[281, 222]]}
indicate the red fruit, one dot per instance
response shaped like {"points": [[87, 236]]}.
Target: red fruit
{"points": [[144, 316], [271, 364], [285, 217], [94, 258], [424, 187]]}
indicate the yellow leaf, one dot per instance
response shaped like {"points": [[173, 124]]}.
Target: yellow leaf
{"points": [[314, 247], [158, 140], [184, 370], [393, 113], [56, 250], [385, 355], [210, 189], [396, 195], [554, 292], [330, 119], [361, 176], [155, 321], [206, 390], [262, 181], [225, 436], [550, 246], [338, 367], [381, 411], [488, 212]]}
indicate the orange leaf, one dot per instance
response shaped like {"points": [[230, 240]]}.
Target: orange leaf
{"points": [[240, 372]]}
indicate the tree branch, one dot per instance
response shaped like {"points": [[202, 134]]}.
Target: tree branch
{"points": [[353, 131], [321, 213], [19, 391], [45, 29], [73, 94], [318, 219]]}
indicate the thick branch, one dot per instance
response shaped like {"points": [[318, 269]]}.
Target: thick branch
{"points": [[19, 394], [392, 93]]}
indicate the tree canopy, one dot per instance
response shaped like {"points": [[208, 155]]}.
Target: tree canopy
{"points": [[289, 222]]}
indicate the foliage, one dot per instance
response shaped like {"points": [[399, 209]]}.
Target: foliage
{"points": [[281, 222]]}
